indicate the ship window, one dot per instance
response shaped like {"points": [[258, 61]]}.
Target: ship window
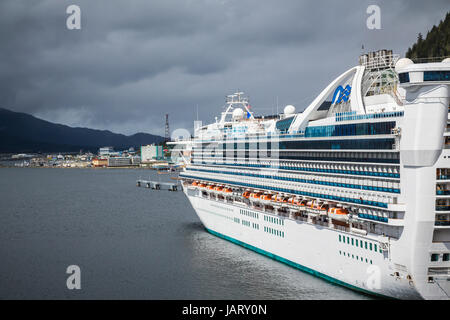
{"points": [[365, 244], [434, 257], [348, 240], [356, 242], [446, 257], [403, 77], [370, 246], [375, 247], [436, 76], [339, 238], [352, 242]]}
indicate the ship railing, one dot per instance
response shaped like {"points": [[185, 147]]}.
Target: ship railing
{"points": [[321, 223], [301, 218], [341, 228], [429, 59]]}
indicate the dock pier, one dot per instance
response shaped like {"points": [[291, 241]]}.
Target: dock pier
{"points": [[156, 185]]}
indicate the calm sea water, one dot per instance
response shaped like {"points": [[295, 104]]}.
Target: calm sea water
{"points": [[130, 243]]}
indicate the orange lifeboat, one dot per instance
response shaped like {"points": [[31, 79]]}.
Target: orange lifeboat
{"points": [[266, 198], [218, 188], [210, 187], [246, 194], [227, 190], [291, 200], [282, 200], [338, 213], [194, 184], [202, 185], [255, 195]]}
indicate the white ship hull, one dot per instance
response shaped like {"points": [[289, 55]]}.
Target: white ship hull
{"points": [[358, 194], [308, 247]]}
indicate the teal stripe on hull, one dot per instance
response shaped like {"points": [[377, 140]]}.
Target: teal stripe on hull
{"points": [[295, 265]]}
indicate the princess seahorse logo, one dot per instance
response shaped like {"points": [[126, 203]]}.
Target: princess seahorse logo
{"points": [[341, 94]]}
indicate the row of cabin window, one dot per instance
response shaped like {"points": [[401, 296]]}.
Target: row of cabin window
{"points": [[314, 144], [435, 257], [289, 155], [313, 181], [359, 243], [353, 256], [245, 212], [339, 171], [246, 223], [274, 220], [274, 232]]}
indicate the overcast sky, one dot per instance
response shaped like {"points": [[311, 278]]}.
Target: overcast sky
{"points": [[134, 61]]}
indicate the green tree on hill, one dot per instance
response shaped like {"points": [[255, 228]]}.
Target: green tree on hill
{"points": [[435, 44]]}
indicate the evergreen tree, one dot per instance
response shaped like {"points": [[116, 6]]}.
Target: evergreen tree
{"points": [[435, 44]]}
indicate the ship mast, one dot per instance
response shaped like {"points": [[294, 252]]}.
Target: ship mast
{"points": [[236, 100]]}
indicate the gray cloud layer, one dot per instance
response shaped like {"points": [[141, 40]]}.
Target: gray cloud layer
{"points": [[133, 61]]}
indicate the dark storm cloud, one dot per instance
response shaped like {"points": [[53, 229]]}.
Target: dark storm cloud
{"points": [[133, 61]]}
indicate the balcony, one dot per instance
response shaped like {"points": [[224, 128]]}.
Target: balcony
{"points": [[442, 207]]}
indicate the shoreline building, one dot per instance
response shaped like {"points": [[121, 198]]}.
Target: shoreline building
{"points": [[151, 153]]}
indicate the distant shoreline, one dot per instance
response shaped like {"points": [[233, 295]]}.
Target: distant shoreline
{"points": [[57, 167]]}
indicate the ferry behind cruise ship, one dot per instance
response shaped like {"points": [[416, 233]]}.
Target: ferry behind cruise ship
{"points": [[354, 189]]}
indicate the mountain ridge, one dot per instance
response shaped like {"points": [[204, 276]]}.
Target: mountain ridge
{"points": [[22, 132]]}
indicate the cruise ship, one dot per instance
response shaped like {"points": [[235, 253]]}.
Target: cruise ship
{"points": [[355, 189]]}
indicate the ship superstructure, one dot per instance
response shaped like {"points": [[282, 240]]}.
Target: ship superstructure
{"points": [[355, 189]]}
